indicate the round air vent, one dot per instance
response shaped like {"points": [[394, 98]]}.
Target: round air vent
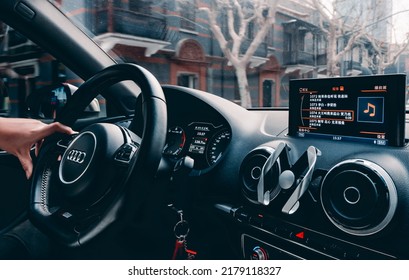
{"points": [[250, 172], [359, 197]]}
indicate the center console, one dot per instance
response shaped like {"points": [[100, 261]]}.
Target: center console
{"points": [[325, 190]]}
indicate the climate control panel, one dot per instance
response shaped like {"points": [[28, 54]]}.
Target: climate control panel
{"points": [[263, 236]]}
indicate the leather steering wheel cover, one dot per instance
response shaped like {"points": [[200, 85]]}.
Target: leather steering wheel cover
{"points": [[153, 137]]}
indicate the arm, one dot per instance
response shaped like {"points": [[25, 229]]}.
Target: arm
{"points": [[17, 136]]}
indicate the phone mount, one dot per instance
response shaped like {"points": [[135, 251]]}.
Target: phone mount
{"points": [[296, 177]]}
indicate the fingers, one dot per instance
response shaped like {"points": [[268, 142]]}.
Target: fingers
{"points": [[46, 130], [25, 159], [58, 127], [52, 128], [38, 146], [26, 163]]}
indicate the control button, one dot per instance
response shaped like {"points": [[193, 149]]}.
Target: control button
{"points": [[283, 232], [125, 153], [337, 251], [257, 220], [269, 225], [352, 255], [300, 235], [317, 244], [242, 217], [355, 255], [259, 254]]}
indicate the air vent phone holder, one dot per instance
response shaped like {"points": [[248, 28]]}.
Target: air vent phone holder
{"points": [[293, 177]]}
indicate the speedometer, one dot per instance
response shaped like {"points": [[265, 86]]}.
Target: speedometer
{"points": [[217, 145]]}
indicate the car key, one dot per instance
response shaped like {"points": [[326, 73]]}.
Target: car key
{"points": [[181, 231]]}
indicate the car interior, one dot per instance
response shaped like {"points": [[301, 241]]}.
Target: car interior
{"points": [[325, 178]]}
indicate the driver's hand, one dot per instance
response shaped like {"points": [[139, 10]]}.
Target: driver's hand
{"points": [[17, 136]]}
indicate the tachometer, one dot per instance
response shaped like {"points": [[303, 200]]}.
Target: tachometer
{"points": [[175, 141], [217, 145]]}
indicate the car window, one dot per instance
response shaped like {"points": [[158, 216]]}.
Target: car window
{"points": [[32, 82], [247, 56], [248, 52]]}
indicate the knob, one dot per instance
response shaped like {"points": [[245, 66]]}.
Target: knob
{"points": [[259, 254]]}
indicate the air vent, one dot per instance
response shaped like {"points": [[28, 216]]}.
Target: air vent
{"points": [[250, 171], [359, 197]]}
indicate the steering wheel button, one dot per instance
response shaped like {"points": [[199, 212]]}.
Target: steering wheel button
{"points": [[125, 153]]}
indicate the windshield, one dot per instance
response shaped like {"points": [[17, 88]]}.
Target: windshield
{"points": [[248, 51]]}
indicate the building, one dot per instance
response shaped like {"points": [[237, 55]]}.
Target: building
{"points": [[173, 40]]}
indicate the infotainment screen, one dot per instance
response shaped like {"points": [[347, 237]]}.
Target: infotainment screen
{"points": [[367, 109]]}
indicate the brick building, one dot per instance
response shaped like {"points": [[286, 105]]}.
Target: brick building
{"points": [[173, 40]]}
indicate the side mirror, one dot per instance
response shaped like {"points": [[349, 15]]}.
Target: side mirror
{"points": [[46, 102]]}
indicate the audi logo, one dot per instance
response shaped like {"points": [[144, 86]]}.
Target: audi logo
{"points": [[76, 156]]}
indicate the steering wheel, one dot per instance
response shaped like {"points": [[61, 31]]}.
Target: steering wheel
{"points": [[86, 183]]}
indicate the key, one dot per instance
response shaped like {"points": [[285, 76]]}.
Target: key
{"points": [[179, 253], [181, 231], [190, 254]]}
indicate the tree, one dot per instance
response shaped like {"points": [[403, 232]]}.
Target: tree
{"points": [[240, 14], [385, 55], [358, 24], [342, 28]]}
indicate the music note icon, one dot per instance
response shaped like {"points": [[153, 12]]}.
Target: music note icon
{"points": [[371, 108]]}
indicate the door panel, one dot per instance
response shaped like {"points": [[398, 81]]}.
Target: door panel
{"points": [[14, 191]]}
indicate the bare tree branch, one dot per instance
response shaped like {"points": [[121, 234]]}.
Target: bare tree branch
{"points": [[240, 13], [385, 54], [261, 34]]}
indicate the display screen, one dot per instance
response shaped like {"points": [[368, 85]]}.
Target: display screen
{"points": [[367, 109], [200, 137]]}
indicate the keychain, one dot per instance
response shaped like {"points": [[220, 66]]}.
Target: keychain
{"points": [[181, 230]]}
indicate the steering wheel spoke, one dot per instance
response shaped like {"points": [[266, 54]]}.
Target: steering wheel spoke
{"points": [[65, 140]]}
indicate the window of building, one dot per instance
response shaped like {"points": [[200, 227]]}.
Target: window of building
{"points": [[268, 93], [250, 30], [187, 16], [140, 6], [301, 40], [288, 42], [188, 80], [99, 4], [270, 37]]}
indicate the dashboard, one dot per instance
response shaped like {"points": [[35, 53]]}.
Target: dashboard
{"points": [[197, 131], [282, 196]]}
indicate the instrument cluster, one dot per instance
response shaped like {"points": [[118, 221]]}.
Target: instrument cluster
{"points": [[204, 142]]}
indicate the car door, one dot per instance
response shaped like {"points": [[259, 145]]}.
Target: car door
{"points": [[14, 191]]}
